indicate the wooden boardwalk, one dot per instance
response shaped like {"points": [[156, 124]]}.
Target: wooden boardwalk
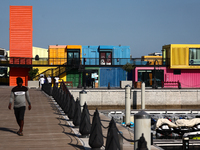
{"points": [[44, 129], [45, 126]]}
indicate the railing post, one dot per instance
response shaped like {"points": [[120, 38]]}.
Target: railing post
{"points": [[83, 98], [185, 143], [143, 96], [127, 104], [142, 125]]}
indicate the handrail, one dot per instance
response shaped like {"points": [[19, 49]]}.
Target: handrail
{"points": [[85, 61], [65, 88]]}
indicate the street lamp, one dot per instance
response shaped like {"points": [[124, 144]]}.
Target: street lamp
{"points": [[155, 85]]}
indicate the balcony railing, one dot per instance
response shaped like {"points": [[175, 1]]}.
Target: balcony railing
{"points": [[84, 61]]}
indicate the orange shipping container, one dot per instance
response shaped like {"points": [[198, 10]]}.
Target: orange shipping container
{"points": [[18, 72], [21, 31], [20, 41]]}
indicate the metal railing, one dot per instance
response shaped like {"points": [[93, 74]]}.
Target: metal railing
{"points": [[84, 61]]}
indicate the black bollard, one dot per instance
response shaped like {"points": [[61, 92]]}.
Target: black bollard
{"points": [[62, 100], [142, 144], [96, 135], [112, 142], [66, 109], [85, 127], [77, 114], [53, 92], [71, 108], [50, 90]]}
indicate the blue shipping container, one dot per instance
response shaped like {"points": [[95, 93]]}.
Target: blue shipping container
{"points": [[113, 75], [91, 54], [120, 54]]}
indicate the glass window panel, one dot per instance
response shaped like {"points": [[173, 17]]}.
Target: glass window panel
{"points": [[108, 58], [103, 58], [194, 56]]}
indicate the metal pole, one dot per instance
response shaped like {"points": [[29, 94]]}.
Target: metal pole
{"points": [[127, 104], [185, 143], [82, 98], [143, 96], [79, 84], [142, 125]]}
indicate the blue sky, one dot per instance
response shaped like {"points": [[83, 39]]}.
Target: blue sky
{"points": [[144, 25]]}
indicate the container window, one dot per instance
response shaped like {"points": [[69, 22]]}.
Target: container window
{"points": [[177, 71], [105, 58], [194, 56]]}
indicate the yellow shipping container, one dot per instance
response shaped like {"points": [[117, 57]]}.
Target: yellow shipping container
{"points": [[152, 59], [57, 54], [182, 56]]}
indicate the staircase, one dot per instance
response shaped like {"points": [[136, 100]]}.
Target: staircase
{"points": [[61, 69]]}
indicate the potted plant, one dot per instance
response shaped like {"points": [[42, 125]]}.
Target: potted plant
{"points": [[33, 72]]}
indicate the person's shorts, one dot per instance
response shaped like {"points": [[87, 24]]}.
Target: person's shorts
{"points": [[19, 113]]}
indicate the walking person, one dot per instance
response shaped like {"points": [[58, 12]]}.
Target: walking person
{"points": [[49, 79], [56, 80], [42, 81], [20, 95]]}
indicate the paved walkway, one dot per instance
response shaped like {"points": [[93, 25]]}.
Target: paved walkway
{"points": [[44, 129]]}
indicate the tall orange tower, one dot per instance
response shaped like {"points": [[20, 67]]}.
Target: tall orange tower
{"points": [[20, 40]]}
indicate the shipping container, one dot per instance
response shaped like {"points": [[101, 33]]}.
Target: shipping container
{"points": [[182, 56], [74, 54], [21, 31], [18, 72], [92, 76], [188, 78], [73, 76], [146, 74], [121, 55], [57, 54], [106, 55], [112, 75], [42, 69], [91, 55], [41, 52], [152, 60]]}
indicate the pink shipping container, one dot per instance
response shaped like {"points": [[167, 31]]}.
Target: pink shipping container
{"points": [[189, 78]]}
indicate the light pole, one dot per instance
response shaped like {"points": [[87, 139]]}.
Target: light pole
{"points": [[155, 86]]}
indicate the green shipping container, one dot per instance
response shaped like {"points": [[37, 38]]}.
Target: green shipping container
{"points": [[73, 76]]}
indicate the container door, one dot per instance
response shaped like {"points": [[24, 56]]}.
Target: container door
{"points": [[73, 57], [76, 58], [69, 57], [74, 77]]}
